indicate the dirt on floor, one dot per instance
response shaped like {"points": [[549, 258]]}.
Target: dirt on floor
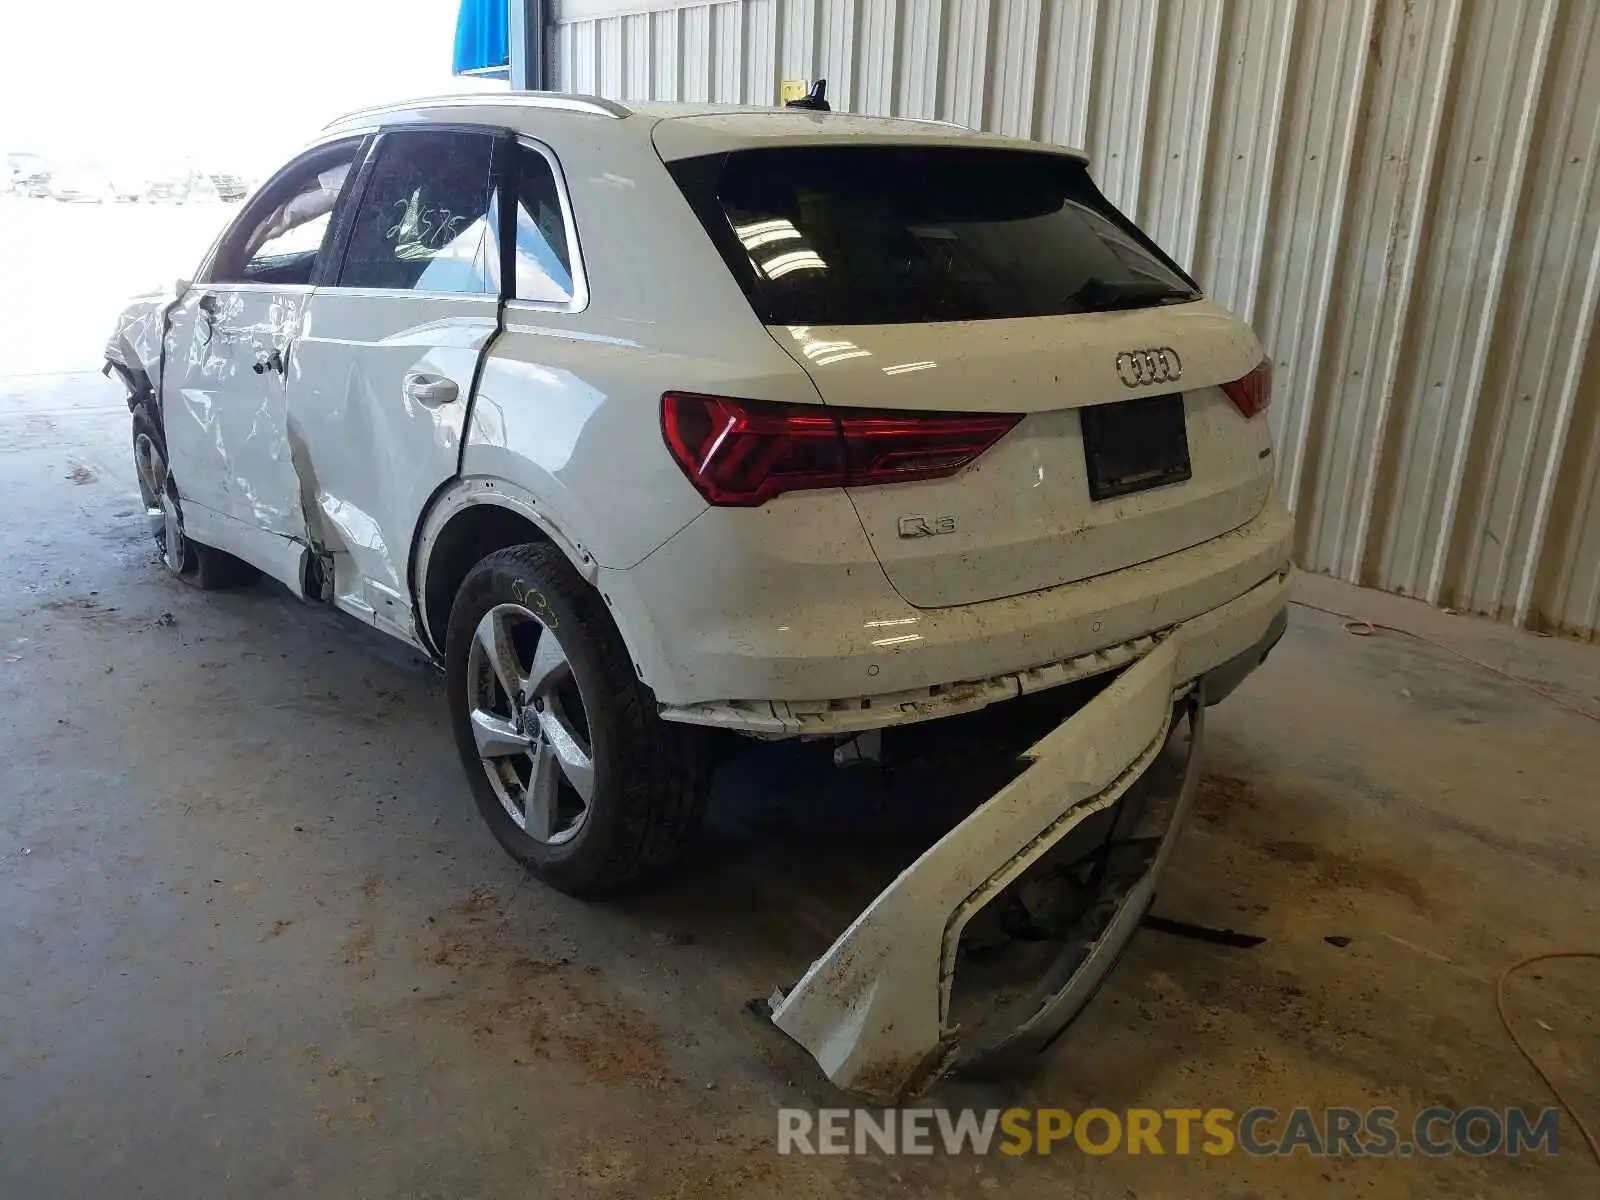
{"points": [[254, 940]]}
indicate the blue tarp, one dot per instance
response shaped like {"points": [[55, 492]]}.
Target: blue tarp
{"points": [[482, 44]]}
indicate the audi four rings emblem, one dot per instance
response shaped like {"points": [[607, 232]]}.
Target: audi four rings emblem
{"points": [[1155, 364]]}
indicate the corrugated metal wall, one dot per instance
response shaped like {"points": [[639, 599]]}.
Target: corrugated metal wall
{"points": [[1401, 196]]}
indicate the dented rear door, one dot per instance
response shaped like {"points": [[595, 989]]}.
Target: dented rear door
{"points": [[382, 375]]}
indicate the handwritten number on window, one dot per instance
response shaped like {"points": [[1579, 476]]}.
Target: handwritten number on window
{"points": [[419, 231]]}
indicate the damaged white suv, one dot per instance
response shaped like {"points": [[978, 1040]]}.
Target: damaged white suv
{"points": [[643, 419]]}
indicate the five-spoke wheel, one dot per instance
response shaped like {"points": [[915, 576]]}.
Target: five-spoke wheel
{"points": [[570, 765], [529, 723], [202, 566], [160, 507]]}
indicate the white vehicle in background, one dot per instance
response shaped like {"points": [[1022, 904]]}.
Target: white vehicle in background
{"points": [[128, 186], [23, 170], [201, 188], [80, 183], [168, 187], [651, 421]]}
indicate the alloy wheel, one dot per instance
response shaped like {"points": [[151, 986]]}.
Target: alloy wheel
{"points": [[530, 724], [160, 507]]}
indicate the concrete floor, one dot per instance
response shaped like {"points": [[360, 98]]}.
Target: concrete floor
{"points": [[254, 942]]}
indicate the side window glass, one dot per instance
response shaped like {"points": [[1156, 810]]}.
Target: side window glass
{"points": [[544, 262], [283, 243], [423, 221], [292, 235]]}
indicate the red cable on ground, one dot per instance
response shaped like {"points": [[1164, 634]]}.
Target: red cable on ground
{"points": [[1364, 628], [1500, 1007]]}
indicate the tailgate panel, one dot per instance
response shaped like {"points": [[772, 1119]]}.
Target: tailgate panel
{"points": [[1028, 514], [1022, 364], [1024, 518]]}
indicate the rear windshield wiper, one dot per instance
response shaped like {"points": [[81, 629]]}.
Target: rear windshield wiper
{"points": [[1100, 295]]}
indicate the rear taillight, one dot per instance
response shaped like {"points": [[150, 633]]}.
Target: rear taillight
{"points": [[745, 452], [1253, 392]]}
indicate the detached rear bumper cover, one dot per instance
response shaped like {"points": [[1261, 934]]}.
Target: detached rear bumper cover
{"points": [[873, 1010]]}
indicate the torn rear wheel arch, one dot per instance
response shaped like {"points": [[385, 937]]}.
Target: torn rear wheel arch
{"points": [[467, 537]]}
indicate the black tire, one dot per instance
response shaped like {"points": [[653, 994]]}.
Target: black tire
{"points": [[200, 566], [650, 776]]}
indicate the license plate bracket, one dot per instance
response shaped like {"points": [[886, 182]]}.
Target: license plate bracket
{"points": [[1134, 445]]}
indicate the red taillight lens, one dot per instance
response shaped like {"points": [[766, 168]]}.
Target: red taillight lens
{"points": [[745, 452], [889, 447], [1252, 393], [742, 452]]}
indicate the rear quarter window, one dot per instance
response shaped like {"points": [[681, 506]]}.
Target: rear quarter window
{"points": [[845, 235]]}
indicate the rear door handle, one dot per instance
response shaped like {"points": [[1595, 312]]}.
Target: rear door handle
{"points": [[432, 390]]}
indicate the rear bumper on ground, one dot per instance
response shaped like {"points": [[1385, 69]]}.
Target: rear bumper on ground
{"points": [[847, 654], [874, 1010]]}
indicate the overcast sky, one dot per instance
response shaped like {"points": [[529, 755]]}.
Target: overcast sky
{"points": [[236, 84]]}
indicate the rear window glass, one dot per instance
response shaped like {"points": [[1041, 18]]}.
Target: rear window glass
{"points": [[885, 234]]}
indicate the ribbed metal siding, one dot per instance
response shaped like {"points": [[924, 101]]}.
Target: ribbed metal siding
{"points": [[1403, 196]]}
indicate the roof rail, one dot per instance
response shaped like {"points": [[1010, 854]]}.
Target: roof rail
{"points": [[597, 106]]}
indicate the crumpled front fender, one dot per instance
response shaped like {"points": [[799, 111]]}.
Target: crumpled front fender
{"points": [[135, 346]]}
